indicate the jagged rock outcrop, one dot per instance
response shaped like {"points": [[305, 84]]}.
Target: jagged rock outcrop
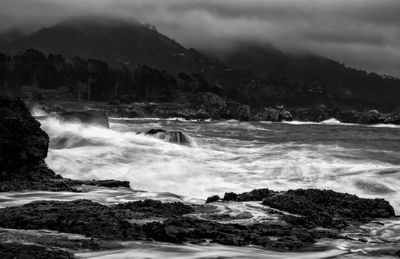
{"points": [[22, 141], [23, 149]]}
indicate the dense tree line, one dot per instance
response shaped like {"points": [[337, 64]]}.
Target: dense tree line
{"points": [[91, 79], [95, 80]]}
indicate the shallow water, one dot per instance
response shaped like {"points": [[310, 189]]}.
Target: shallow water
{"points": [[230, 156]]}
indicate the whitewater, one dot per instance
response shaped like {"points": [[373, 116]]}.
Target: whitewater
{"points": [[229, 156]]}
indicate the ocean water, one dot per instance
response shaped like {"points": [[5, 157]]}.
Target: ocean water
{"points": [[230, 156]]}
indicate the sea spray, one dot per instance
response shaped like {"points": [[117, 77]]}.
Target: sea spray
{"points": [[279, 156]]}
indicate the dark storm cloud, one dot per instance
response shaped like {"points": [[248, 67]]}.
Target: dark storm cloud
{"points": [[362, 33]]}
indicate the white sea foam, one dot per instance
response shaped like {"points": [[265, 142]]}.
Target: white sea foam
{"points": [[218, 165]]}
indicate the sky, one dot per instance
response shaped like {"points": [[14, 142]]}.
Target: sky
{"points": [[361, 33]]}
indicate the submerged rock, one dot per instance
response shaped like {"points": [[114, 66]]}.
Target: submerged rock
{"points": [[174, 136], [97, 118], [179, 137]]}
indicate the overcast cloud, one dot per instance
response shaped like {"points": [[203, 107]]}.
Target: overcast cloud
{"points": [[360, 33]]}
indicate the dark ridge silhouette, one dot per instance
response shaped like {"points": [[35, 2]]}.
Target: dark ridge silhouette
{"points": [[114, 41]]}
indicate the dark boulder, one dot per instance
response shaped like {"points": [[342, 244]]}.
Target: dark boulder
{"points": [[98, 118], [370, 117], [213, 198]]}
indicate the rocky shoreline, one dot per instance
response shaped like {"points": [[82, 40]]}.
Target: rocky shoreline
{"points": [[211, 106], [302, 216]]}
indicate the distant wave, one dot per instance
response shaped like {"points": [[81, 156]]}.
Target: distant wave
{"points": [[334, 121], [157, 119]]}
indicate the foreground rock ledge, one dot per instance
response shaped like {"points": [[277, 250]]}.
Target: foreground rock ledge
{"points": [[177, 223]]}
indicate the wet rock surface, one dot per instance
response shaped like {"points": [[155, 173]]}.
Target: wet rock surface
{"points": [[152, 208], [25, 251], [317, 208], [279, 237], [111, 223], [80, 216], [54, 239]]}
